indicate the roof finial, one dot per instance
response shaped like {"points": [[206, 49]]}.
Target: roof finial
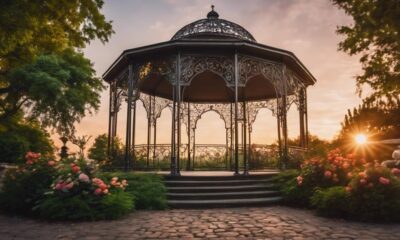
{"points": [[212, 13]]}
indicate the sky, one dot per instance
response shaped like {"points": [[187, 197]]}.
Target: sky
{"points": [[304, 27]]}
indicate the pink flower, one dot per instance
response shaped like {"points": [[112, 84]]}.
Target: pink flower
{"points": [[384, 181], [363, 181], [362, 174], [349, 175], [299, 180], [328, 174], [29, 162], [59, 186], [348, 189], [114, 179], [32, 156], [98, 191], [69, 185], [396, 171], [105, 191], [346, 165], [370, 185], [51, 163], [83, 178]]}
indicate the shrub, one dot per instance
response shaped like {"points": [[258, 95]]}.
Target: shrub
{"points": [[293, 194], [375, 193], [63, 190], [85, 206], [75, 194], [148, 189], [23, 186], [332, 202]]}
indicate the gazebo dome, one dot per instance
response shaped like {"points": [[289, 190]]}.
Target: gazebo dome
{"points": [[214, 28]]}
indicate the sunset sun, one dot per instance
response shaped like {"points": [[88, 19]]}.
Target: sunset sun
{"points": [[361, 139]]}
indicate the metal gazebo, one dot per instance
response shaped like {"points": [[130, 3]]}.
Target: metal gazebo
{"points": [[209, 65]]}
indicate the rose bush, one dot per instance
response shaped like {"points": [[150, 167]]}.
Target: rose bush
{"points": [[26, 184], [344, 186], [63, 190]]}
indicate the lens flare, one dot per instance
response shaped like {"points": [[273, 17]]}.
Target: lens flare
{"points": [[361, 139]]}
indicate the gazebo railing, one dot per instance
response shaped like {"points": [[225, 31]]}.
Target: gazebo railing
{"points": [[206, 157]]}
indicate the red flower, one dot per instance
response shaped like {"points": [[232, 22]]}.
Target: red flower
{"points": [[328, 174], [363, 181], [395, 171], [76, 169]]}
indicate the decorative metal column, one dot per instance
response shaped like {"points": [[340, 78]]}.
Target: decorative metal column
{"points": [[134, 129], [149, 120], [301, 117], [178, 154], [306, 117], [154, 123], [129, 120], [188, 165], [110, 112], [245, 157], [236, 116]]}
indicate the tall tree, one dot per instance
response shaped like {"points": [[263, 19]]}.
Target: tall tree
{"points": [[375, 35], [42, 72]]}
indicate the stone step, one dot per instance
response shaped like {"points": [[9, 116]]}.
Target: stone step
{"points": [[220, 178], [224, 202], [211, 189], [221, 195], [183, 183]]}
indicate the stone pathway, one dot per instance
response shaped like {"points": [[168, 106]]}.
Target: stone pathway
{"points": [[234, 223]]}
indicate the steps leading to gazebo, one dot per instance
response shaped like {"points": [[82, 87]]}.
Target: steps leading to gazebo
{"points": [[221, 191]]}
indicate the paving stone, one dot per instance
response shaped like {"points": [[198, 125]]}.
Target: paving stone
{"points": [[236, 223]]}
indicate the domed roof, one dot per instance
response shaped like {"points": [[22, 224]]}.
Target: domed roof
{"points": [[213, 27]]}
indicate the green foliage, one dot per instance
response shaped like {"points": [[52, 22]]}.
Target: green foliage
{"points": [[22, 187], [332, 202], [85, 206], [293, 194], [59, 89], [98, 151], [375, 36], [41, 67], [148, 189], [18, 138]]}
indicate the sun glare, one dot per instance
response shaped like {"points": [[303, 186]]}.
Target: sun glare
{"points": [[361, 139]]}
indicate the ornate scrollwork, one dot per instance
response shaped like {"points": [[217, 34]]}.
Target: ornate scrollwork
{"points": [[250, 67], [192, 65], [165, 67], [214, 26], [254, 107]]}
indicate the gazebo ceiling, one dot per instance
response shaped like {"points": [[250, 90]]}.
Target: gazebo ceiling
{"points": [[211, 37]]}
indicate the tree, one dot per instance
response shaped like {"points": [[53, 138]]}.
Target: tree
{"points": [[99, 149], [42, 72], [374, 35], [99, 152], [20, 136]]}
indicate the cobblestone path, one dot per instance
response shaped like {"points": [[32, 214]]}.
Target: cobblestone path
{"points": [[234, 223]]}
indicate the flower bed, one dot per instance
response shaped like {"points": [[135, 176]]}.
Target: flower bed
{"points": [[344, 186], [63, 190]]}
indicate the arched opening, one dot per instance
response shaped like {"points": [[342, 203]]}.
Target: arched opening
{"points": [[207, 87], [259, 88], [210, 151], [264, 141]]}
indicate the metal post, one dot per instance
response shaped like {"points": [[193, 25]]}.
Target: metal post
{"points": [[285, 134], [149, 118], [133, 132], [245, 159], [232, 137], [129, 119], [250, 148], [179, 114], [301, 116], [154, 142], [278, 118], [173, 162], [236, 116], [110, 120], [188, 131], [194, 147], [306, 116]]}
